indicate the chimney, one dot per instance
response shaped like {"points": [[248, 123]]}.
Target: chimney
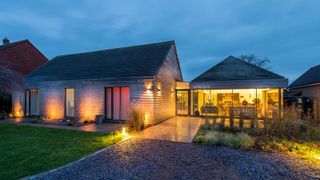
{"points": [[5, 41]]}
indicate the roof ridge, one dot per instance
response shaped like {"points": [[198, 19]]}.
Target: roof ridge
{"points": [[125, 47], [296, 82], [227, 62], [258, 67], [12, 44]]}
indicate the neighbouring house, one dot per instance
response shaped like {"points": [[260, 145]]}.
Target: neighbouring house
{"points": [[16, 60], [232, 86], [308, 85], [21, 56], [105, 83]]}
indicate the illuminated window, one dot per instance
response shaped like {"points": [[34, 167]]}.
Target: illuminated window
{"points": [[69, 94]]}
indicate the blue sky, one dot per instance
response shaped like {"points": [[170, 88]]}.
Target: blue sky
{"points": [[206, 31]]}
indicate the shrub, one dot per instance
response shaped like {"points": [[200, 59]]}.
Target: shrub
{"points": [[302, 149], [236, 140], [199, 139], [205, 127], [137, 119], [225, 138], [212, 138], [315, 133], [291, 126], [242, 140]]}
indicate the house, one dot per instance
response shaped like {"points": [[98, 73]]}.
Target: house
{"points": [[233, 86], [21, 56], [105, 83], [308, 85], [16, 60]]}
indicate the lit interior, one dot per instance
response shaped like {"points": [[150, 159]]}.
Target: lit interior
{"points": [[250, 102]]}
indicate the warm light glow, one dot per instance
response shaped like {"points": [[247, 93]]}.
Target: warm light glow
{"points": [[17, 109], [318, 157], [124, 132], [88, 104], [18, 114], [53, 108], [146, 119]]}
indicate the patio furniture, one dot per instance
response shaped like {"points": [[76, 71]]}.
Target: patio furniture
{"points": [[248, 112], [209, 109]]}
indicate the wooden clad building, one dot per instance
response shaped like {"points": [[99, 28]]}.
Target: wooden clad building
{"points": [[308, 85], [107, 83]]}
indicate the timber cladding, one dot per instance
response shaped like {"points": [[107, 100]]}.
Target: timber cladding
{"points": [[150, 71], [89, 97], [165, 103]]}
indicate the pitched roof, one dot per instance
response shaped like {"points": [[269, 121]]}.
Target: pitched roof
{"points": [[233, 69], [21, 56], [140, 60], [312, 76]]}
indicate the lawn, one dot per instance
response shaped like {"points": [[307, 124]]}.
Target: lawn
{"points": [[27, 150]]}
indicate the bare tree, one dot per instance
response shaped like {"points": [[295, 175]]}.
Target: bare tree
{"points": [[10, 80], [257, 61]]}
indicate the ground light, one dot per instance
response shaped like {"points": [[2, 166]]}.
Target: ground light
{"points": [[125, 134]]}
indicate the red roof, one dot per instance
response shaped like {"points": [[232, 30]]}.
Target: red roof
{"points": [[21, 56]]}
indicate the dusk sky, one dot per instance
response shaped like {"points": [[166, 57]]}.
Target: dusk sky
{"points": [[287, 32]]}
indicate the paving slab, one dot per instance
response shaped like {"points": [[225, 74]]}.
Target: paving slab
{"points": [[177, 129]]}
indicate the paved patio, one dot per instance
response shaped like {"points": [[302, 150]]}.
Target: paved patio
{"points": [[177, 129]]}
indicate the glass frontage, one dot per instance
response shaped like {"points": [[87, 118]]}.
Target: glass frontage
{"points": [[223, 102], [69, 102], [182, 102]]}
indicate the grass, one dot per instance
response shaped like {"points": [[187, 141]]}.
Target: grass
{"points": [[235, 140], [306, 149], [27, 150]]}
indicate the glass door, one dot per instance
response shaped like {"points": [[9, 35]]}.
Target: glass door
{"points": [[117, 103], [183, 104]]}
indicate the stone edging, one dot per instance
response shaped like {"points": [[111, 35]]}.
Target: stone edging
{"points": [[71, 163]]}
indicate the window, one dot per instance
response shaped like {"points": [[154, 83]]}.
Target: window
{"points": [[69, 106], [32, 102]]}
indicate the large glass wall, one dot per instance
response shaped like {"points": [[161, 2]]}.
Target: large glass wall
{"points": [[223, 102]]}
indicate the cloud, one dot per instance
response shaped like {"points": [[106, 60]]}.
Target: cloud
{"points": [[43, 25], [205, 31]]}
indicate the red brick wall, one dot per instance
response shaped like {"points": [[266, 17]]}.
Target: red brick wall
{"points": [[22, 57]]}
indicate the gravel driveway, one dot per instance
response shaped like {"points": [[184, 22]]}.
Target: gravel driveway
{"points": [[156, 159]]}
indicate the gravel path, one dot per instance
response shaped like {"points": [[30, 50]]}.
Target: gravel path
{"points": [[156, 159]]}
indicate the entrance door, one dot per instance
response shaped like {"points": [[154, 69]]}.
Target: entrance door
{"points": [[183, 105], [117, 103]]}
